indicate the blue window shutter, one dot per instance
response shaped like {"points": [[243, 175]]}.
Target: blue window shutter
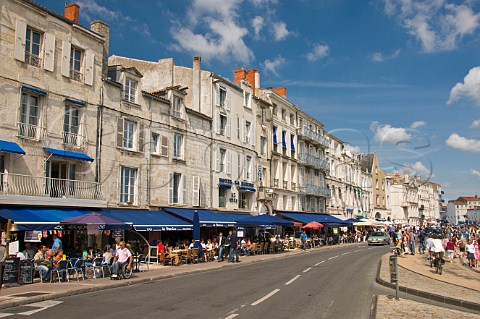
{"points": [[275, 142], [284, 143]]}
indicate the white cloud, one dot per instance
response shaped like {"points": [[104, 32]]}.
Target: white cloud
{"points": [[352, 149], [470, 88], [419, 169], [319, 51], [417, 124], [461, 143], [475, 173], [257, 24], [385, 133], [259, 3], [213, 31], [436, 24], [273, 66], [475, 124], [380, 57], [280, 31]]}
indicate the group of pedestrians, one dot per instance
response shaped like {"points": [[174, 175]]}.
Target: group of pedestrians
{"points": [[230, 242]]}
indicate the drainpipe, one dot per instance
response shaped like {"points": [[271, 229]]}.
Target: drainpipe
{"points": [[99, 137], [212, 104], [149, 195]]}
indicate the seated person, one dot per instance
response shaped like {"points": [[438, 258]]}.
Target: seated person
{"points": [[107, 255], [58, 256], [122, 256], [43, 261]]}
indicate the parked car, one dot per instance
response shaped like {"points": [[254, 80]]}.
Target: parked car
{"points": [[378, 238]]}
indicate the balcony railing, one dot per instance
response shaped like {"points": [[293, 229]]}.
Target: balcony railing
{"points": [[285, 184], [293, 186], [76, 75], [33, 59], [24, 185], [73, 139], [276, 182], [314, 161], [317, 190], [313, 136], [30, 131]]}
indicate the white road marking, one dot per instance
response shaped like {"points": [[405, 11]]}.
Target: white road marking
{"points": [[3, 315], [233, 315], [345, 253], [307, 269], [45, 304], [320, 263], [333, 257], [265, 297], [292, 280]]}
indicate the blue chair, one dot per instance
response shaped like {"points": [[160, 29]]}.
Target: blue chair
{"points": [[61, 269], [76, 266]]}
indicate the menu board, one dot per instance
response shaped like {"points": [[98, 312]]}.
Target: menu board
{"points": [[11, 269], [26, 272]]}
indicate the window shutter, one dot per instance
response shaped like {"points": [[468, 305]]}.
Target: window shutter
{"points": [[217, 95], [217, 160], [227, 100], [238, 128], [120, 132], [218, 124], [184, 189], [245, 168], [89, 67], [141, 137], [228, 127], [170, 188], [244, 96], [66, 47], [244, 131], [20, 39], [49, 52], [252, 137], [229, 162], [196, 191], [239, 166], [164, 150]]}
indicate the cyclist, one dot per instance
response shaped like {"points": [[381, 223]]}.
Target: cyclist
{"points": [[123, 256], [438, 249]]}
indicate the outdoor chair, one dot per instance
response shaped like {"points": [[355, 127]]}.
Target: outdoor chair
{"points": [[98, 267], [254, 249], [107, 266], [260, 248], [140, 261], [195, 257], [62, 269], [188, 256], [76, 266]]}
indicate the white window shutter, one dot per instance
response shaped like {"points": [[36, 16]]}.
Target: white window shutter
{"points": [[66, 47], [49, 52], [227, 100], [120, 132], [196, 191], [218, 122], [89, 67], [252, 130], [228, 127], [217, 94], [170, 188], [141, 137], [164, 150], [244, 95], [229, 162], [217, 160], [239, 136], [244, 131], [245, 168], [20, 39], [184, 189], [239, 166]]}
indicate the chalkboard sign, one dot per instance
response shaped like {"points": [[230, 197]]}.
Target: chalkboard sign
{"points": [[26, 272], [11, 269]]}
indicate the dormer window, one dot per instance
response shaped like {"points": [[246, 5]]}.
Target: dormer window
{"points": [[130, 90]]}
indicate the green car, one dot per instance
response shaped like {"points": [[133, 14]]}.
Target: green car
{"points": [[378, 238]]}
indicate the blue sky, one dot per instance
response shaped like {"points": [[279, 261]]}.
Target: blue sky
{"points": [[399, 77]]}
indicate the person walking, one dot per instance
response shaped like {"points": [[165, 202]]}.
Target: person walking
{"points": [[220, 244], [233, 241], [303, 237], [3, 256], [411, 241]]}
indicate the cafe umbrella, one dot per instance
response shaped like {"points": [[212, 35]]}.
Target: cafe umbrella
{"points": [[93, 221], [196, 230]]}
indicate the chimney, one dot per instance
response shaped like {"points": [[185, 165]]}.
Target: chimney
{"points": [[251, 79], [282, 91], [240, 74], [103, 29], [196, 85], [72, 11]]}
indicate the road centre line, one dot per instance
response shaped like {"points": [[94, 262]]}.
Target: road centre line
{"points": [[292, 280], [307, 269], [333, 257], [233, 315], [320, 263], [265, 297], [345, 253]]}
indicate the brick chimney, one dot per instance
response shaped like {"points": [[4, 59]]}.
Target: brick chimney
{"points": [[103, 29], [240, 74], [282, 91], [72, 11]]}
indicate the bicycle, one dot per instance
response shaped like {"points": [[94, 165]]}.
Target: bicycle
{"points": [[439, 262]]}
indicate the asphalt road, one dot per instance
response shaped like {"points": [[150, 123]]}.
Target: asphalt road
{"points": [[333, 283]]}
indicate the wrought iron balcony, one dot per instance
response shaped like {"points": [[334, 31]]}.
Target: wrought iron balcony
{"points": [[314, 161], [25, 185], [313, 136], [33, 59], [317, 190], [31, 131], [285, 184], [73, 139]]}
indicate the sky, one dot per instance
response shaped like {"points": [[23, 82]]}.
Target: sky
{"points": [[397, 77]]}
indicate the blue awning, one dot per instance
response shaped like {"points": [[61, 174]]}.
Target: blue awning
{"points": [[311, 217], [76, 102], [33, 90], [262, 221], [284, 142], [68, 154], [246, 189], [292, 142], [275, 142], [11, 147], [208, 218], [147, 220], [224, 185]]}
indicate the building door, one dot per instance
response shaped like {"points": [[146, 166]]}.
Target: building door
{"points": [[60, 178]]}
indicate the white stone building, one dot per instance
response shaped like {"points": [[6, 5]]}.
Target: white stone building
{"points": [[463, 209]]}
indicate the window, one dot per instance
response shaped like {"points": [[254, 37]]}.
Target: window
{"points": [[60, 179], [223, 124], [177, 104], [248, 168], [129, 132], [29, 116], [32, 47], [76, 64], [263, 145], [247, 99], [178, 146], [130, 90], [177, 189], [222, 96], [243, 202], [292, 119], [128, 185], [222, 160], [71, 125], [284, 115], [154, 143], [246, 133]]}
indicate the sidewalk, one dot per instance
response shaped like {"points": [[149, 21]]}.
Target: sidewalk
{"points": [[458, 285]]}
